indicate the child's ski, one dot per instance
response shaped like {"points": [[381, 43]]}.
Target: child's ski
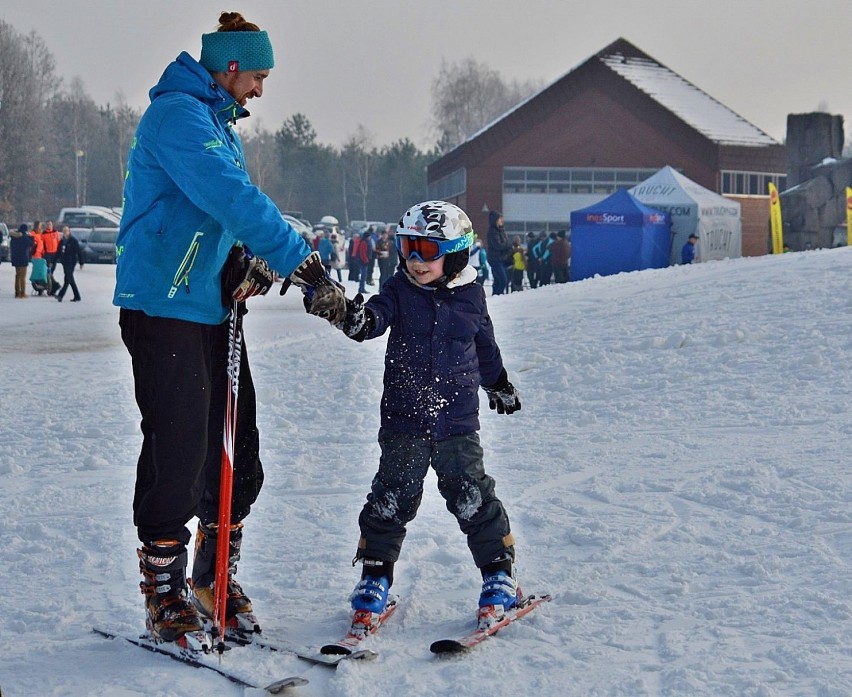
{"points": [[364, 624], [312, 657], [477, 636], [200, 659]]}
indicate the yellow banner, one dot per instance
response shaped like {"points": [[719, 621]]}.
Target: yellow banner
{"points": [[849, 215], [775, 220]]}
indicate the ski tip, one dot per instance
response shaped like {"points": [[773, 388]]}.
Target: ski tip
{"points": [[363, 655], [335, 650], [280, 686], [447, 646]]}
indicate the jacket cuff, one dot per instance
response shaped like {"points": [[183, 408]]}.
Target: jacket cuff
{"points": [[502, 382]]}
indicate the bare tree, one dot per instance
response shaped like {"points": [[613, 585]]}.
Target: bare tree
{"points": [[125, 121], [358, 157], [27, 83], [467, 96]]}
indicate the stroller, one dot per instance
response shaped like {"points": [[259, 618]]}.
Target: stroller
{"points": [[42, 281]]}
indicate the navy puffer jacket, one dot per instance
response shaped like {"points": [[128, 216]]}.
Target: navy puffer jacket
{"points": [[21, 247], [441, 348]]}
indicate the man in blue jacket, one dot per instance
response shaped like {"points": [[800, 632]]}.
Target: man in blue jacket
{"points": [[196, 238]]}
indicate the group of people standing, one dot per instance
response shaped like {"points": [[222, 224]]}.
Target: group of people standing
{"points": [[368, 250], [545, 258], [45, 247]]}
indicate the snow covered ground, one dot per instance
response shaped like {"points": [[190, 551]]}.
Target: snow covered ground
{"points": [[678, 478]]}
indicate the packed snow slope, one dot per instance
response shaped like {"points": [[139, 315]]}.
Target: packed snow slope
{"points": [[678, 479]]}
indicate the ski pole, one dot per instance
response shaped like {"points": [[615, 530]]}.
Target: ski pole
{"points": [[226, 477]]}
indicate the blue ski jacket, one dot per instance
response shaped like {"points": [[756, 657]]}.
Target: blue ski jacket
{"points": [[188, 200], [441, 348]]}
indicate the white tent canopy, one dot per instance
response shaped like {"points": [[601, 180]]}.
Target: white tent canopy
{"points": [[715, 219]]}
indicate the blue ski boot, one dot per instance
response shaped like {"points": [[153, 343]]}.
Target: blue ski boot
{"points": [[371, 594], [499, 588], [500, 591]]}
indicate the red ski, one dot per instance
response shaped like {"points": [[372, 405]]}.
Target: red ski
{"points": [[364, 624], [488, 626]]}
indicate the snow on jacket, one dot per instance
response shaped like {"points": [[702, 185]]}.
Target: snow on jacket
{"points": [[188, 200], [441, 348]]}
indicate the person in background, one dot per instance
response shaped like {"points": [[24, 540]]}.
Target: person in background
{"points": [[542, 254], [338, 258], [38, 240], [441, 348], [51, 238], [499, 252], [325, 249], [519, 265], [386, 256], [479, 261], [372, 241], [353, 257], [21, 247], [560, 255], [197, 239], [365, 254], [70, 255], [532, 263], [687, 252]]}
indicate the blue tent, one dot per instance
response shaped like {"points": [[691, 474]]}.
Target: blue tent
{"points": [[618, 234]]}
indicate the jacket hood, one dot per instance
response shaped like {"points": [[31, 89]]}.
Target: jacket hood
{"points": [[492, 218], [186, 76]]}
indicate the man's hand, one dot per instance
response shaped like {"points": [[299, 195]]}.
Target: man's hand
{"points": [[244, 276], [326, 297], [503, 396]]}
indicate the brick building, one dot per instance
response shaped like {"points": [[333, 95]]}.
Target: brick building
{"points": [[609, 123]]}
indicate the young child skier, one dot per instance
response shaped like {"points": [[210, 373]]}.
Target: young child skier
{"points": [[440, 350]]}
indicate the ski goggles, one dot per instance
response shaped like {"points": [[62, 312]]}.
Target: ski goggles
{"points": [[430, 248]]}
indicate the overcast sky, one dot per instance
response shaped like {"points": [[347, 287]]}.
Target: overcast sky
{"points": [[349, 62]]}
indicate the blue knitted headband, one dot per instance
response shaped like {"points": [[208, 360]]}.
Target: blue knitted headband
{"points": [[233, 51]]}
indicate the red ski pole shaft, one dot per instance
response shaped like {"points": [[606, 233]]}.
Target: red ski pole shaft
{"points": [[226, 476]]}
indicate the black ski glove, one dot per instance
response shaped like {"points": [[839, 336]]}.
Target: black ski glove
{"points": [[244, 276], [502, 395], [359, 321], [323, 297]]}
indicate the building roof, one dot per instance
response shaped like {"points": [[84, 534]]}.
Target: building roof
{"points": [[694, 106], [670, 91]]}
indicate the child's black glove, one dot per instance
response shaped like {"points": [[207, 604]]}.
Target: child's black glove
{"points": [[324, 298], [359, 321], [244, 276], [502, 395]]}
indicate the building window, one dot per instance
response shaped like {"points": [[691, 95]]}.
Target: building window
{"points": [[571, 180], [522, 227], [452, 185], [751, 183]]}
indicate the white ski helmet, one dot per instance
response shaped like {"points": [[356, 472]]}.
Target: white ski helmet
{"points": [[436, 219], [329, 220]]}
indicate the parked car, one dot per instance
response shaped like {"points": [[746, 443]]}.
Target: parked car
{"points": [[4, 243], [300, 226], [84, 220], [99, 248]]}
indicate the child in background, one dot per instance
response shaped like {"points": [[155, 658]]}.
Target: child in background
{"points": [[519, 265], [440, 350]]}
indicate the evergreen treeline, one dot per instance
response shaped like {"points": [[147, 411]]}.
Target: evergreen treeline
{"points": [[58, 148]]}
